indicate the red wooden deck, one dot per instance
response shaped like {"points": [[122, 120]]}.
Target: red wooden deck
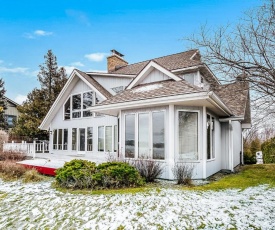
{"points": [[41, 169]]}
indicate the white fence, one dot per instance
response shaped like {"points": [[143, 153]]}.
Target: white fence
{"points": [[28, 148]]}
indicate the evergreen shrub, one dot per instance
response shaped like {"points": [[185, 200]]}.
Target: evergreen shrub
{"points": [[268, 148]]}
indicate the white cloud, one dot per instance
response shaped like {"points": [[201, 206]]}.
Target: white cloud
{"points": [[20, 98], [37, 33], [69, 69], [13, 70], [78, 63], [42, 33], [97, 57]]}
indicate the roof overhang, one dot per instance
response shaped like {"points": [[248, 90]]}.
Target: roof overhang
{"points": [[111, 74], [147, 70], [208, 99]]}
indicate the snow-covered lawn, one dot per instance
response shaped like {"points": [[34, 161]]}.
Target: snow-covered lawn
{"points": [[38, 206]]}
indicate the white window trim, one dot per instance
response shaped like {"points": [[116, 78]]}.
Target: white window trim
{"points": [[150, 112], [212, 142], [177, 136]]}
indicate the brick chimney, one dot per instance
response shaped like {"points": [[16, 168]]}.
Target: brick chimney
{"points": [[115, 61]]}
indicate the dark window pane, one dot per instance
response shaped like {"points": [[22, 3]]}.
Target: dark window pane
{"points": [[65, 139], [67, 109], [87, 100], [54, 139], [158, 135], [81, 139], [130, 136], [77, 102], [208, 137], [74, 134], [101, 138], [87, 113], [76, 114], [60, 139], [90, 139]]}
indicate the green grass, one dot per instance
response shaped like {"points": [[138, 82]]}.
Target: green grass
{"points": [[249, 176]]}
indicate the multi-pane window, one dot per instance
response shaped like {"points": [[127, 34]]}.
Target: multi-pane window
{"points": [[130, 135], [60, 139], [67, 109], [210, 137], [108, 138], [100, 142], [150, 135], [74, 138], [188, 135], [81, 104], [90, 139]]}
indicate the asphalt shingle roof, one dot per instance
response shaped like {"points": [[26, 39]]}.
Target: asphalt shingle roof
{"points": [[170, 62], [153, 90]]}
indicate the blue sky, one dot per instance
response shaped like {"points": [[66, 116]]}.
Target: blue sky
{"points": [[81, 33]]}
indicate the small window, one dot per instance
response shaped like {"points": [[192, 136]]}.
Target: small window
{"points": [[101, 138], [55, 139], [77, 102], [108, 138], [74, 136], [76, 114], [90, 139], [130, 136], [67, 109], [87, 100], [65, 139], [59, 139], [87, 113]]}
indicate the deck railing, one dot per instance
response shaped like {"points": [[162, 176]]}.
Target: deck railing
{"points": [[30, 149]]}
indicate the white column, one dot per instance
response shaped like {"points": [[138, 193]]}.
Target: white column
{"points": [[204, 141], [171, 141], [120, 152]]}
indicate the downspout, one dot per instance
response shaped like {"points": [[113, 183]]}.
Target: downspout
{"points": [[231, 167]]}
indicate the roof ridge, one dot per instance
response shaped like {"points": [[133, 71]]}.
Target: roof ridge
{"points": [[153, 59]]}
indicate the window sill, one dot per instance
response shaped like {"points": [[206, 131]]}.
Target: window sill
{"points": [[210, 160]]}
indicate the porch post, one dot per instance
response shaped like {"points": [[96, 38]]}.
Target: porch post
{"points": [[204, 141], [171, 141]]}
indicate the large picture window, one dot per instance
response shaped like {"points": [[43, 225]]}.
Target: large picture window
{"points": [[130, 135], [188, 135], [158, 135], [143, 135]]}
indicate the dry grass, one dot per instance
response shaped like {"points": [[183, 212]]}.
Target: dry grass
{"points": [[32, 176], [9, 170], [12, 156]]}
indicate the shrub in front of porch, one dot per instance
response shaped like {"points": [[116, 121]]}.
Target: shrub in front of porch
{"points": [[80, 174], [117, 175], [12, 156]]}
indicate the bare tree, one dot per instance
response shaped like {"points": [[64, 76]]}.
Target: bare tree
{"points": [[245, 51]]}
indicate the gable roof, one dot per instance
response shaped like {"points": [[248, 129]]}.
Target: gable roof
{"points": [[11, 101], [170, 62], [147, 69], [90, 81], [153, 90], [95, 83], [236, 97]]}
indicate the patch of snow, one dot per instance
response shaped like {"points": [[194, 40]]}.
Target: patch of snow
{"points": [[147, 88], [39, 206]]}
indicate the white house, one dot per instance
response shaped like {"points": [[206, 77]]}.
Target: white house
{"points": [[170, 109]]}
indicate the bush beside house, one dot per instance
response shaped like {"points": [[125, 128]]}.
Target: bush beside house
{"points": [[268, 148]]}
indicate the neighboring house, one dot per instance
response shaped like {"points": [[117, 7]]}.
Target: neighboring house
{"points": [[170, 109], [11, 113]]}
